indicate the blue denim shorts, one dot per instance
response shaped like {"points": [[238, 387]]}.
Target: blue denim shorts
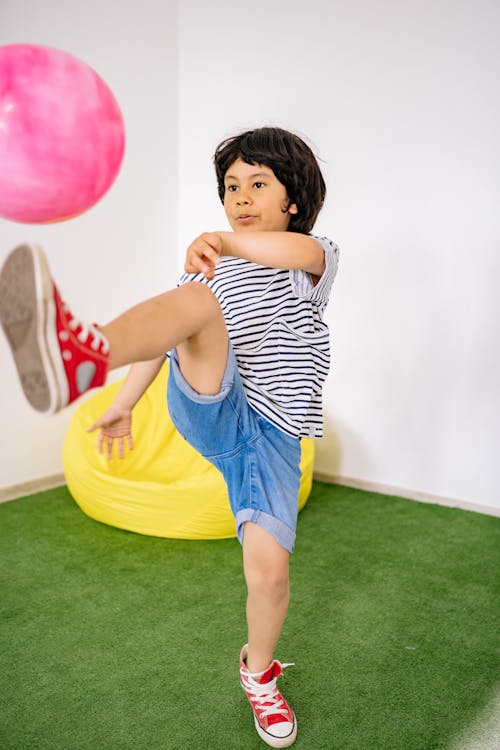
{"points": [[260, 464]]}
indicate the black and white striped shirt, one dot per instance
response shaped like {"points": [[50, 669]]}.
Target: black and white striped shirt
{"points": [[274, 322]]}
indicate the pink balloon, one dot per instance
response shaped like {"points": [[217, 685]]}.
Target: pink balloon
{"points": [[61, 135]]}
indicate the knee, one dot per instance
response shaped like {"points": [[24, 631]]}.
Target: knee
{"points": [[200, 298], [270, 582], [200, 291]]}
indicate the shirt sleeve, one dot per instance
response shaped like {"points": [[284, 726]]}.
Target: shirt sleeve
{"points": [[302, 285]]}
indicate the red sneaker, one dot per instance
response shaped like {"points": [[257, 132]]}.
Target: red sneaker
{"points": [[57, 357], [275, 721]]}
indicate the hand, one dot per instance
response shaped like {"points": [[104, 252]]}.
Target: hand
{"points": [[204, 254], [115, 424]]}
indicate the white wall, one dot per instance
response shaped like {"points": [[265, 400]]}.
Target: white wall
{"points": [[125, 248], [401, 100]]}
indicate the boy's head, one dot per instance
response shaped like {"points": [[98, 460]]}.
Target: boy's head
{"points": [[292, 162]]}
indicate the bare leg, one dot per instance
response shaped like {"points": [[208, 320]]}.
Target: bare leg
{"points": [[58, 357], [188, 318], [266, 572]]}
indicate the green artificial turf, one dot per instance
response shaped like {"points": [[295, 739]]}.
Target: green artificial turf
{"points": [[115, 641]]}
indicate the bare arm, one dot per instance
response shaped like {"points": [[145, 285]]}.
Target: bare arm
{"points": [[138, 379], [276, 250], [286, 250], [116, 423]]}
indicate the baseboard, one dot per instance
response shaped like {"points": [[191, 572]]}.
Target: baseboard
{"points": [[29, 488], [421, 497], [57, 480]]}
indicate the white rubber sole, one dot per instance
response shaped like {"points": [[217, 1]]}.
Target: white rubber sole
{"points": [[28, 318]]}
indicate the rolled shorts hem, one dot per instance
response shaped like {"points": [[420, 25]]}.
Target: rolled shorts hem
{"points": [[200, 398], [280, 531]]}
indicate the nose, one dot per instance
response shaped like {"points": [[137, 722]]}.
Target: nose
{"points": [[243, 198]]}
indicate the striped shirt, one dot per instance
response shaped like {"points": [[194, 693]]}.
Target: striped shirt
{"points": [[274, 322]]}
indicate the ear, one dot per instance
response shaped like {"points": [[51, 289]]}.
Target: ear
{"points": [[292, 208]]}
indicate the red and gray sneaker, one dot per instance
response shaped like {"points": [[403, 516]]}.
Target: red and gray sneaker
{"points": [[275, 721], [57, 357]]}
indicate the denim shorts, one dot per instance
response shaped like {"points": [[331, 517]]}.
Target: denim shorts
{"points": [[260, 464]]}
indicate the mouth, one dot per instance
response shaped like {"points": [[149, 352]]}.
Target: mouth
{"points": [[245, 218]]}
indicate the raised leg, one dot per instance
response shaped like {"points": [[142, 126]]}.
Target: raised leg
{"points": [[188, 318], [59, 357]]}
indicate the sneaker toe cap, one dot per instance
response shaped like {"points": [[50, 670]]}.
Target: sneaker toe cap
{"points": [[278, 733], [281, 729]]}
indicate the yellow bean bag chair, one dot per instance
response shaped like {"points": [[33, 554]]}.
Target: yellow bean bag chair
{"points": [[163, 487]]}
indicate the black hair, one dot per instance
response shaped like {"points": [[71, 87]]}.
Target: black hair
{"points": [[291, 160]]}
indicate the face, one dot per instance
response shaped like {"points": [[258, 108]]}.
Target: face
{"points": [[255, 200]]}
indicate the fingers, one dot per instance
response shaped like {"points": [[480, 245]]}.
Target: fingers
{"points": [[203, 255], [199, 263], [121, 446], [105, 444]]}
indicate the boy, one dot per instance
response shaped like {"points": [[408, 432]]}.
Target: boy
{"points": [[249, 354]]}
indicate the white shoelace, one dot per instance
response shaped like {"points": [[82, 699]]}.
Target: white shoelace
{"points": [[259, 694], [87, 330]]}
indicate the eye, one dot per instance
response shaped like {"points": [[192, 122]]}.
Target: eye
{"points": [[231, 188], [259, 184]]}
